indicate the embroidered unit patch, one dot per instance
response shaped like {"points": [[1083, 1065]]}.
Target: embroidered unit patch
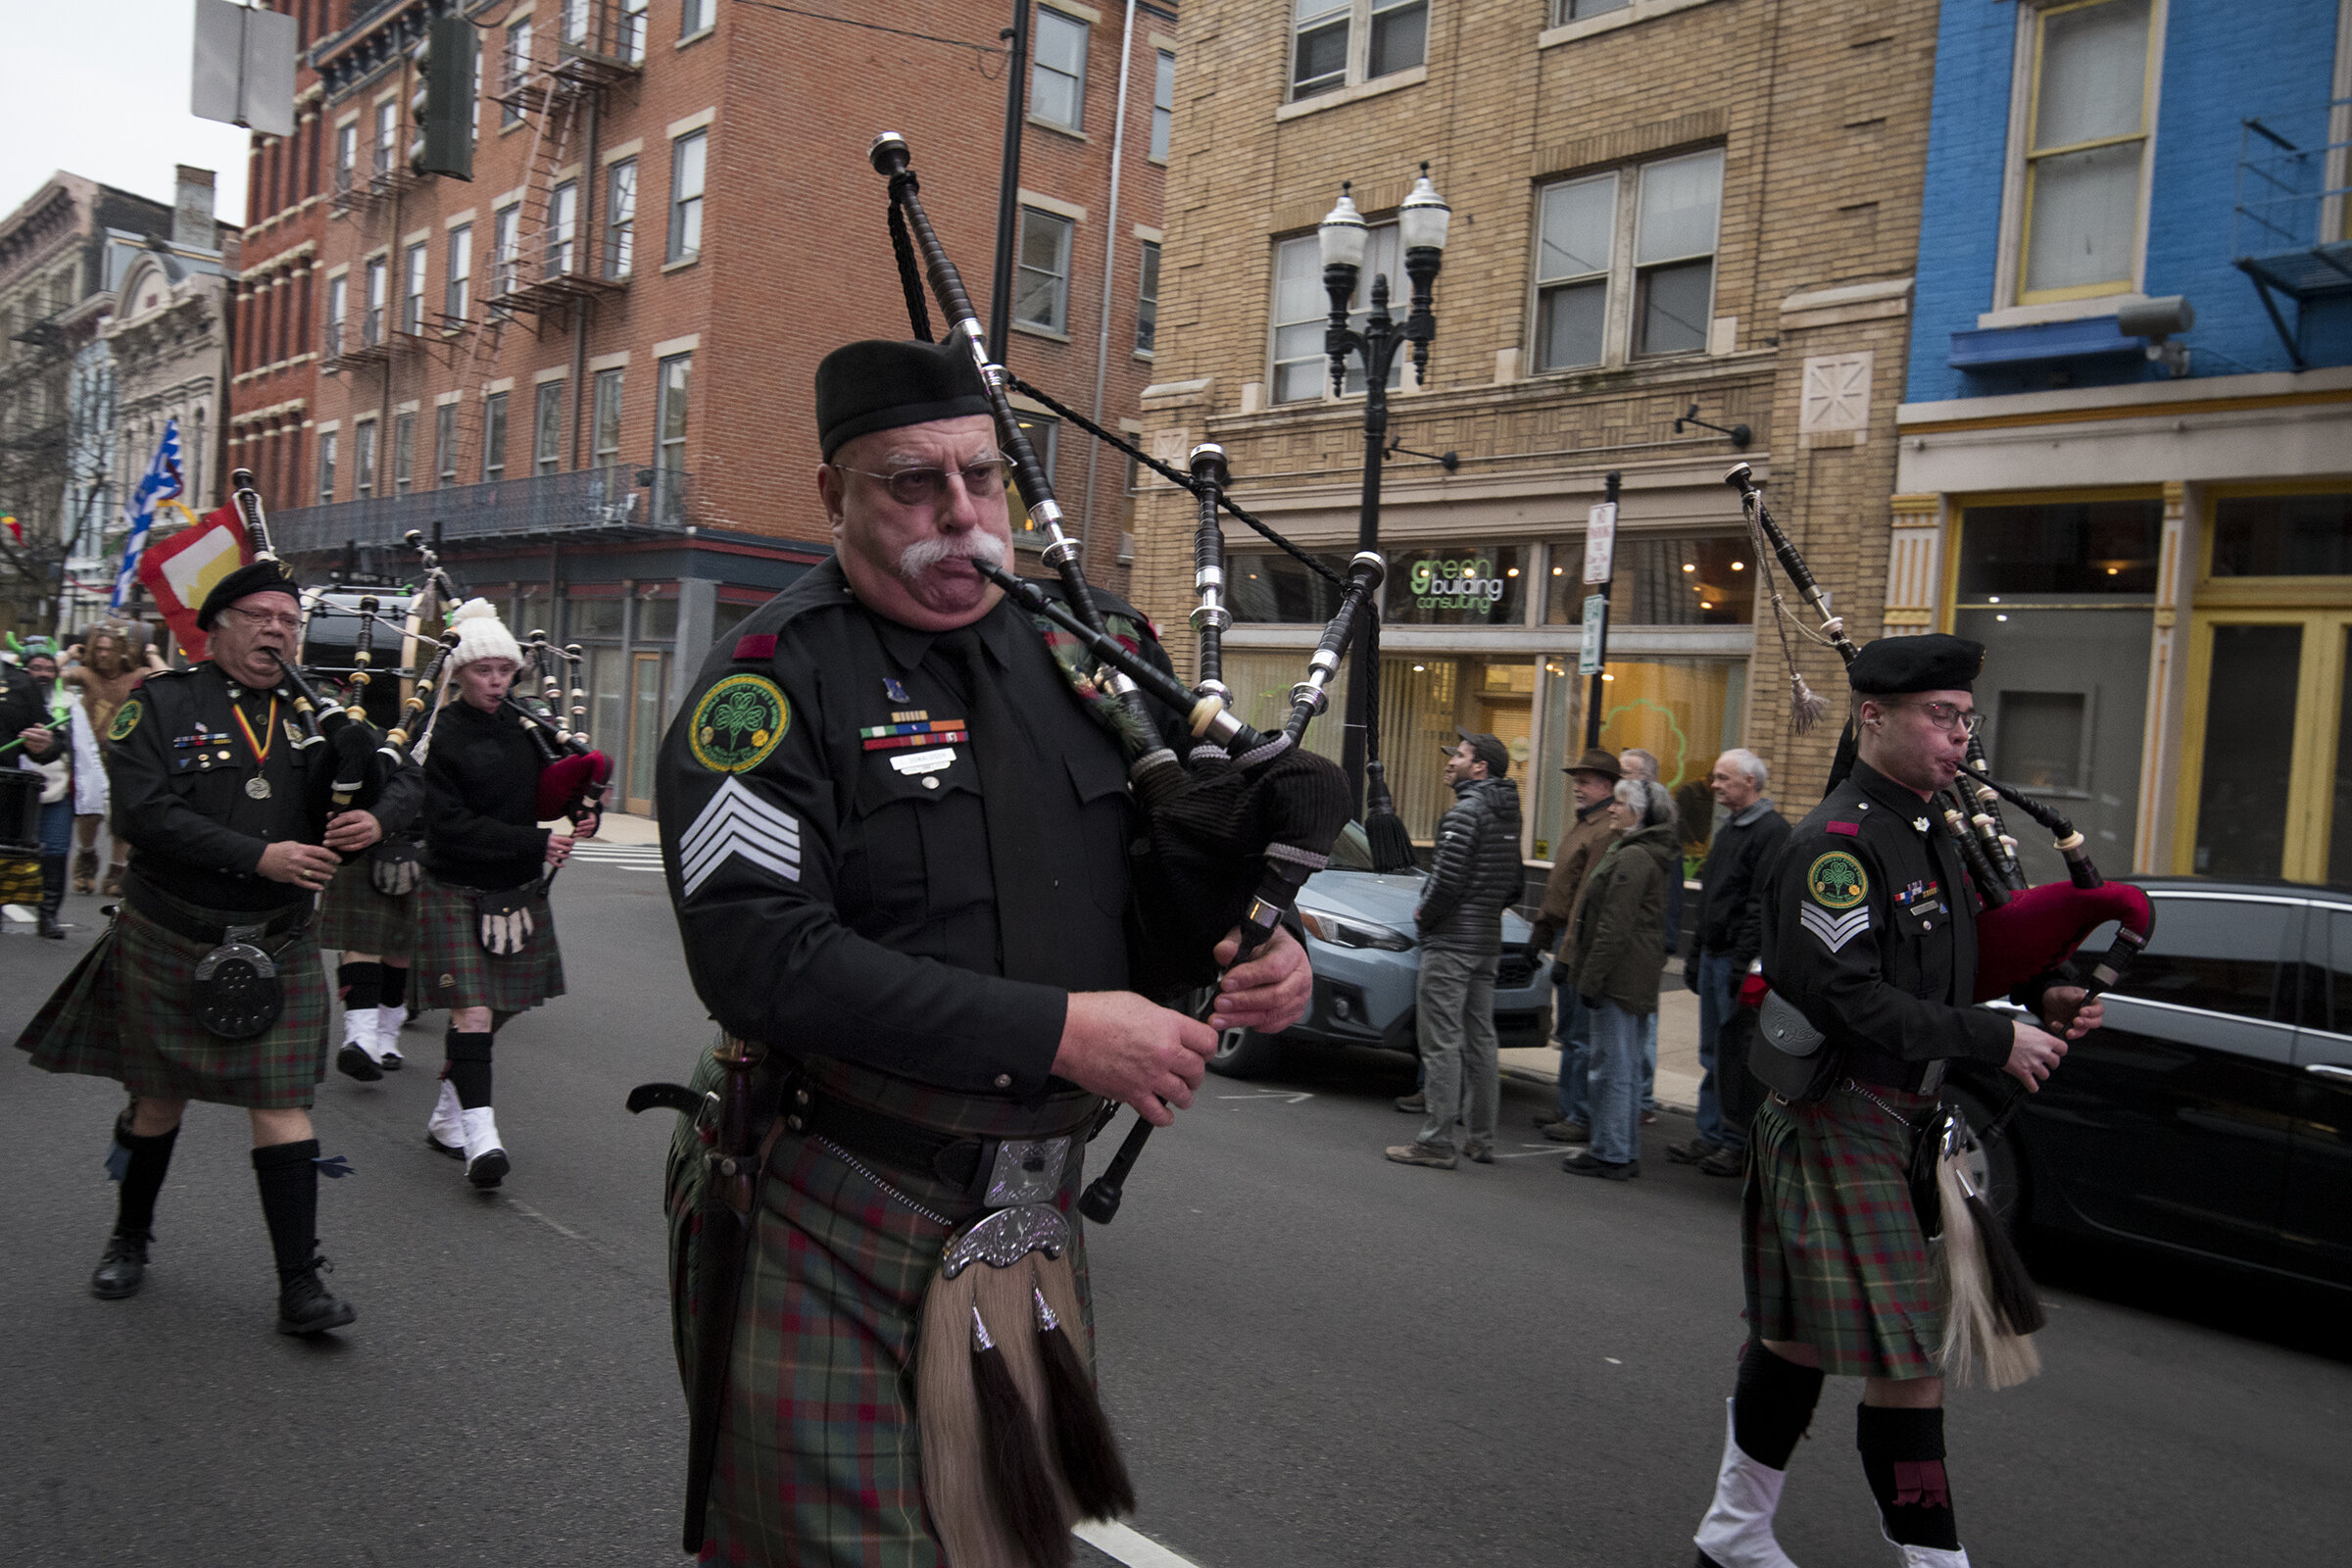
{"points": [[127, 719], [1835, 931], [737, 822], [738, 722], [1837, 881]]}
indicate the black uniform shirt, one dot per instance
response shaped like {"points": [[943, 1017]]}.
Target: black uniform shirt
{"points": [[180, 770], [826, 842], [1871, 931], [481, 799]]}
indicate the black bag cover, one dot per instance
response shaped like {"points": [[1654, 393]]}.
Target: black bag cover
{"points": [[1790, 1056], [1213, 839]]}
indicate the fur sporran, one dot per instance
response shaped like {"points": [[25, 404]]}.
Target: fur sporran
{"points": [[395, 867], [506, 920]]}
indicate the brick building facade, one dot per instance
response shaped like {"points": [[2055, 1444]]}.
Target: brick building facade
{"points": [[1658, 207], [589, 366]]}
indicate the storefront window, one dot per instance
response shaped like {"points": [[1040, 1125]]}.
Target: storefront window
{"points": [[1266, 585], [595, 617], [1659, 581], [2068, 548], [1686, 711], [2282, 536], [657, 619], [1457, 585]]}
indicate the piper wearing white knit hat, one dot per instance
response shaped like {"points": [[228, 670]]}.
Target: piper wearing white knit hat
{"points": [[481, 634]]}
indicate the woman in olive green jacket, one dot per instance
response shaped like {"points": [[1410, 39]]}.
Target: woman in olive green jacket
{"points": [[1620, 934]]}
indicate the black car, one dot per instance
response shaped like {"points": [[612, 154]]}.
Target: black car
{"points": [[2213, 1113]]}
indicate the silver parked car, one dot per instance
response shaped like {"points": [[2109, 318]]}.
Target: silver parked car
{"points": [[1360, 933]]}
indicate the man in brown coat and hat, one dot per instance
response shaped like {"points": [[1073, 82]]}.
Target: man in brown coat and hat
{"points": [[1593, 776]]}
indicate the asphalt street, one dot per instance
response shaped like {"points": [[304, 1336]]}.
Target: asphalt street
{"points": [[1315, 1356]]}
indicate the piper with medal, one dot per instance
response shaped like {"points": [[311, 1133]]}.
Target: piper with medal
{"points": [[1870, 949], [207, 984], [896, 834]]}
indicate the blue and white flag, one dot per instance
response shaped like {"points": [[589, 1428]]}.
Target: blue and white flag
{"points": [[158, 484]]}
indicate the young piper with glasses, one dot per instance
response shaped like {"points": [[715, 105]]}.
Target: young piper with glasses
{"points": [[208, 986], [1869, 931]]}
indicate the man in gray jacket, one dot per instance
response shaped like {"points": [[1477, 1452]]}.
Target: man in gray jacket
{"points": [[1474, 874]]}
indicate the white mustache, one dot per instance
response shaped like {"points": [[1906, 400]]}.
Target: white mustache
{"points": [[921, 556]]}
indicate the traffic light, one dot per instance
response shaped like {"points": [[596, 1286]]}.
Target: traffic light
{"points": [[441, 104]]}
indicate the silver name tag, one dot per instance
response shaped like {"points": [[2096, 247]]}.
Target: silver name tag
{"points": [[923, 762]]}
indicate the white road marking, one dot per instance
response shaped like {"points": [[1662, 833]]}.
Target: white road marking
{"points": [[1533, 1150], [1288, 1097], [1114, 1540]]}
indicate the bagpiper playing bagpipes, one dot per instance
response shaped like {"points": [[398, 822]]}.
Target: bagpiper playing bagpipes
{"points": [[238, 791], [954, 856], [1866, 1248]]}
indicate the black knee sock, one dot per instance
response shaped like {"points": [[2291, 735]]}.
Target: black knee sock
{"points": [[395, 988], [1902, 1454], [289, 1185], [142, 1175], [469, 1070], [360, 985], [1772, 1405]]}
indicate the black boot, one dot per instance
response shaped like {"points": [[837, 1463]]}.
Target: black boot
{"points": [[289, 1184], [123, 1266], [52, 895]]}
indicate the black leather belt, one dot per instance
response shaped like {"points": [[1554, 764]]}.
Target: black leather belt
{"points": [[198, 924], [961, 1161], [1881, 1070]]}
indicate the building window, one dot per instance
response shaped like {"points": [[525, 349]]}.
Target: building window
{"points": [[363, 459], [1057, 69], [2085, 151], [1044, 432], [379, 279], [347, 154], [412, 293], [1336, 43], [605, 435], [328, 441], [517, 66], [686, 160], [494, 437], [461, 273], [404, 450], [620, 217], [1655, 580], [1163, 104], [387, 129], [1651, 229], [669, 418], [506, 248], [1564, 11], [1147, 298], [1301, 309], [630, 45], [694, 15], [445, 446], [338, 314], [1040, 291], [563, 227], [547, 429]]}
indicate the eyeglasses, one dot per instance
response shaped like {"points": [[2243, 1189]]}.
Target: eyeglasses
{"points": [[1949, 718], [259, 621], [924, 487]]}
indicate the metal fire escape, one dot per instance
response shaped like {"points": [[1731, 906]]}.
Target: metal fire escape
{"points": [[2291, 232]]}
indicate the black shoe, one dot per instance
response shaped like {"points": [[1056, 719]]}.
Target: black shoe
{"points": [[305, 1306], [123, 1266], [352, 1062], [1725, 1161], [48, 927], [1582, 1163], [1690, 1151]]}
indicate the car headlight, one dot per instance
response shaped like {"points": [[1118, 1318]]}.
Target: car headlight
{"points": [[1343, 932]]}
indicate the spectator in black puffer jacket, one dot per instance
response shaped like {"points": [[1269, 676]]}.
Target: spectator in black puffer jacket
{"points": [[1475, 873]]}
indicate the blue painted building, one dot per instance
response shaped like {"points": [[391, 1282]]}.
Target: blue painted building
{"points": [[2126, 440]]}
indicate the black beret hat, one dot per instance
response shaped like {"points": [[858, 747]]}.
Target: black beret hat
{"points": [[880, 385], [269, 576], [1932, 662]]}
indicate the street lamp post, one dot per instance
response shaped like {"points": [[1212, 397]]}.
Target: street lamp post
{"points": [[1342, 238]]}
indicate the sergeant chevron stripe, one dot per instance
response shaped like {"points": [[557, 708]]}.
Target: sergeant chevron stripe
{"points": [[738, 822], [1834, 930]]}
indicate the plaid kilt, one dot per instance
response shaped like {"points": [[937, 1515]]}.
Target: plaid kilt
{"points": [[123, 1014], [1830, 1248], [451, 968], [353, 917], [819, 1461]]}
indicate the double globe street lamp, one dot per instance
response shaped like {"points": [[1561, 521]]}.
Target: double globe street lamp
{"points": [[1342, 238]]}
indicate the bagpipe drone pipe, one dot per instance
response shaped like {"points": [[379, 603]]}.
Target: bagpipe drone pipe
{"points": [[2028, 939]]}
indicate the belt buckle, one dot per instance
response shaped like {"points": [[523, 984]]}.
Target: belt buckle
{"points": [[231, 936], [1026, 1170]]}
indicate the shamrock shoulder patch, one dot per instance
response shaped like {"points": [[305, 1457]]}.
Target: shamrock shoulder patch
{"points": [[739, 721], [127, 719], [1837, 881]]}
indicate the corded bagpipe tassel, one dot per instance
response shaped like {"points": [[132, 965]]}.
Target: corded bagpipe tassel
{"points": [[1385, 832], [1805, 706], [1974, 1337], [1016, 1465], [1082, 1435]]}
